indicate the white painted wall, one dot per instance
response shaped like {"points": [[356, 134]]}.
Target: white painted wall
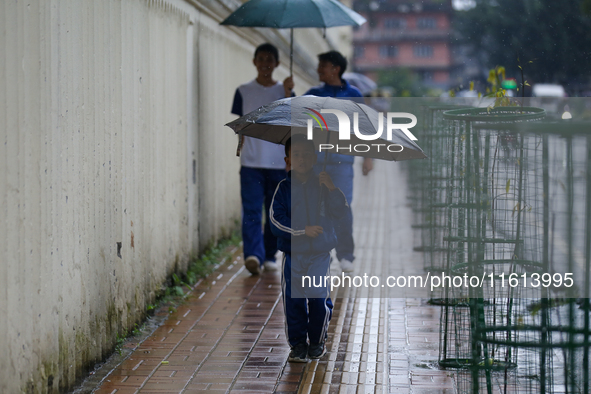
{"points": [[111, 131]]}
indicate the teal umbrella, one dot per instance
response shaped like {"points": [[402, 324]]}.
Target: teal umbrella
{"points": [[290, 14]]}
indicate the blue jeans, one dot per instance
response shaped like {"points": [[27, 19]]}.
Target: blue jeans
{"points": [[257, 186], [342, 177], [307, 309]]}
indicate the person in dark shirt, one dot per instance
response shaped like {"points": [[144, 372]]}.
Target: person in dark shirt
{"points": [[303, 224], [331, 66]]}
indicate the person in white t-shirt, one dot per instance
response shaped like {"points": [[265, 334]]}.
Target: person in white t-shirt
{"points": [[262, 162]]}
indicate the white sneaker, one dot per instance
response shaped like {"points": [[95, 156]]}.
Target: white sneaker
{"points": [[347, 266], [253, 265], [270, 265]]}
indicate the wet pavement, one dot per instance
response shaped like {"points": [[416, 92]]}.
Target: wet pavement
{"points": [[229, 337]]}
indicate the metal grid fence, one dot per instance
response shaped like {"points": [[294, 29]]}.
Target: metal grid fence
{"points": [[503, 197]]}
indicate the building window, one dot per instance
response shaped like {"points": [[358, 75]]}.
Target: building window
{"points": [[423, 51], [388, 51], [426, 23], [394, 23], [358, 52]]}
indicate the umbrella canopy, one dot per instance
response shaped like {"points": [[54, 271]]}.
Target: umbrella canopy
{"points": [[283, 14], [361, 82], [277, 121]]}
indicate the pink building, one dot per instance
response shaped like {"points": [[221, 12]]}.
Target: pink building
{"points": [[405, 33]]}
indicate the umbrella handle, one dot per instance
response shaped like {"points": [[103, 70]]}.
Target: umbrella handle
{"points": [[321, 197], [322, 194], [240, 142], [325, 160], [326, 153], [291, 54]]}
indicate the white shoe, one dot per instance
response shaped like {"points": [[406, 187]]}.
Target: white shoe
{"points": [[270, 265], [253, 265], [347, 266]]}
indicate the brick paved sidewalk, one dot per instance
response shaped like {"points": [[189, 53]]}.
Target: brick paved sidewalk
{"points": [[229, 335]]}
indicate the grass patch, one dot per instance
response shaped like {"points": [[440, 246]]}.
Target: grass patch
{"points": [[200, 266], [120, 339], [203, 265], [178, 286], [172, 294]]}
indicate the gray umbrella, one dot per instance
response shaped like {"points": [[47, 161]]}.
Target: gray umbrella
{"points": [[283, 14], [277, 121], [361, 82]]}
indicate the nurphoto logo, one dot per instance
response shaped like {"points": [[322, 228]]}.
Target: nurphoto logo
{"points": [[345, 130]]}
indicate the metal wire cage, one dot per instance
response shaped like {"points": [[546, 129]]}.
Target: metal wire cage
{"points": [[419, 190], [430, 182], [434, 183], [506, 198], [557, 327], [493, 215], [536, 338]]}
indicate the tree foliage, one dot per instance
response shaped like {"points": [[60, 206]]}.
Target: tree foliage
{"points": [[555, 36], [404, 82]]}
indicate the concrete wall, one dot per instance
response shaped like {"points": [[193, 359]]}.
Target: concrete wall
{"points": [[114, 165]]}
